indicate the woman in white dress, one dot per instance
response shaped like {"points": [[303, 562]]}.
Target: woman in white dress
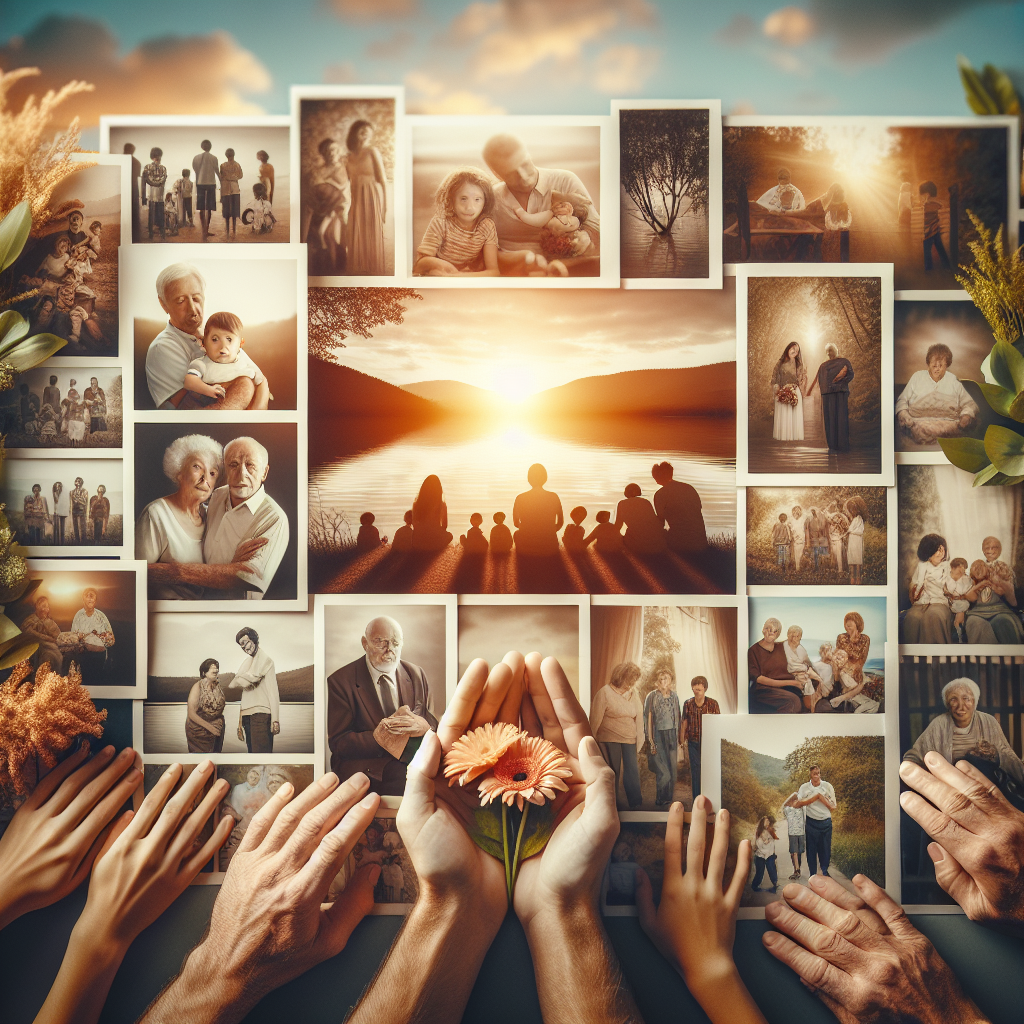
{"points": [[857, 511], [789, 379], [798, 523]]}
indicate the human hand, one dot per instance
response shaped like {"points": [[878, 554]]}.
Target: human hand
{"points": [[219, 391], [216, 727], [404, 723], [247, 548], [862, 957], [56, 834], [904, 419], [240, 733], [979, 848], [275, 728], [840, 375], [986, 750]]}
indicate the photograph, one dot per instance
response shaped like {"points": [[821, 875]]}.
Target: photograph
{"points": [[217, 511], [387, 665], [231, 683], [817, 352], [655, 672], [500, 200], [205, 179], [66, 277], [959, 558], [867, 190], [670, 172], [87, 616], [74, 504], [809, 672], [62, 406], [217, 330], [641, 844], [480, 448], [151, 775], [816, 536], [809, 795], [347, 150], [966, 708], [396, 888]]}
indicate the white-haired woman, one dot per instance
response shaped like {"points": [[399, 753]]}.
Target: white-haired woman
{"points": [[773, 690], [833, 378]]}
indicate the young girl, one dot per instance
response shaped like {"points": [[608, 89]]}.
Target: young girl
{"points": [[857, 511], [461, 237], [765, 838]]}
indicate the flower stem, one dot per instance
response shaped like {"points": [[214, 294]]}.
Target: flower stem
{"points": [[504, 844], [519, 843]]}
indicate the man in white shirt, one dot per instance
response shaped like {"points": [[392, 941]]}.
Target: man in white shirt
{"points": [[772, 199], [261, 705], [818, 799], [242, 511], [934, 403]]}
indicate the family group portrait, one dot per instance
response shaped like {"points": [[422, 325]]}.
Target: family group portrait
{"points": [[196, 180], [480, 448], [816, 536], [816, 655], [347, 157], [215, 333], [864, 190], [216, 511], [655, 673], [396, 888], [229, 683], [959, 559]]}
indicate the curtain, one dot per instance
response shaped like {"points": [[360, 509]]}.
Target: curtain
{"points": [[969, 515], [616, 635], [707, 638]]}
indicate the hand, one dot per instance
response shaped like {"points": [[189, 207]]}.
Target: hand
{"points": [[275, 728], [407, 724], [219, 391], [216, 727], [986, 750], [965, 421], [840, 375], [862, 956], [247, 548], [57, 833], [905, 420], [980, 838]]}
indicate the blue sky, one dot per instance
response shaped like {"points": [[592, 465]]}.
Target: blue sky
{"points": [[518, 56]]}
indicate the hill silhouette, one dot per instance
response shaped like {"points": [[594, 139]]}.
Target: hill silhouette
{"points": [[293, 686], [456, 395], [770, 770]]}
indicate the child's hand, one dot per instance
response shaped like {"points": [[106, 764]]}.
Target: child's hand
{"points": [[218, 391], [519, 212]]}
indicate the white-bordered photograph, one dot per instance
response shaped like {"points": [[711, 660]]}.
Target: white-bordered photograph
{"points": [[205, 178], [236, 683], [868, 190], [670, 204], [640, 845], [387, 665], [656, 670], [348, 202], [811, 796], [814, 362], [513, 201], [217, 330], [90, 615], [218, 511]]}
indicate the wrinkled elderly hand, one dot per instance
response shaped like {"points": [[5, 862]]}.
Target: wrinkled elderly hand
{"points": [[979, 838]]}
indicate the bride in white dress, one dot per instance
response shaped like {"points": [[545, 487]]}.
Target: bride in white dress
{"points": [[789, 374]]}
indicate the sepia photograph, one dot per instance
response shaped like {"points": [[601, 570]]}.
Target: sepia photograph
{"points": [[816, 536], [205, 179], [381, 844], [232, 683], [655, 672], [959, 558], [639, 846], [832, 659], [867, 190], [480, 448]]}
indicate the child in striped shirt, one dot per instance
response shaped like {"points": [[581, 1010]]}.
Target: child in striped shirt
{"points": [[461, 237]]}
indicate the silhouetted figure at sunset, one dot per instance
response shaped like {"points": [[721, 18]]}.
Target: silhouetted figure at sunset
{"points": [[678, 507], [430, 517], [501, 535], [403, 539], [644, 534], [574, 535], [473, 540], [605, 536], [537, 516], [369, 538]]}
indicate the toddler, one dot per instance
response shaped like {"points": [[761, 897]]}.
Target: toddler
{"points": [[562, 226], [402, 541], [170, 214], [573, 535], [606, 534], [957, 585], [224, 360], [369, 538], [473, 540], [501, 535], [259, 214], [461, 237], [861, 705], [782, 538]]}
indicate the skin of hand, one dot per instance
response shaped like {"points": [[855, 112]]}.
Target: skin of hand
{"points": [[405, 723], [57, 833], [240, 733], [270, 922], [862, 957], [694, 926], [275, 728], [979, 847]]}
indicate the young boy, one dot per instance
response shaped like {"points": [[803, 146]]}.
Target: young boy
{"points": [[782, 538], [573, 535], [369, 538], [606, 534], [473, 540], [958, 584], [154, 176], [501, 535], [184, 187], [224, 360], [402, 540], [932, 228]]}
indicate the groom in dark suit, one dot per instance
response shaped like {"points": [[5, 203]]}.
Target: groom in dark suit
{"points": [[378, 709]]}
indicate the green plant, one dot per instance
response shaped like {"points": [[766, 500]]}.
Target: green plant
{"points": [[991, 92]]}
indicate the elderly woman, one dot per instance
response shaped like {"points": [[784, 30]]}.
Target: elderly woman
{"points": [[773, 690], [965, 733], [204, 724], [934, 403], [833, 378], [616, 718], [856, 643]]}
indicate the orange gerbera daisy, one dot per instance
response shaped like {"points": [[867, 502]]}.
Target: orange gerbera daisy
{"points": [[531, 770], [476, 752]]}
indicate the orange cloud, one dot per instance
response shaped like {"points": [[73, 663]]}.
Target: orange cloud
{"points": [[428, 95], [792, 26]]}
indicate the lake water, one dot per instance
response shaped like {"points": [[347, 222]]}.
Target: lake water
{"points": [[163, 729], [483, 470], [681, 253]]}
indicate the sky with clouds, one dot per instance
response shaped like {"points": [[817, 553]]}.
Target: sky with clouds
{"points": [[516, 56]]}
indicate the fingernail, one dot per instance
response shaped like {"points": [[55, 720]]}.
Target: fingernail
{"points": [[773, 910], [723, 815], [206, 765], [816, 882], [329, 781], [370, 800], [593, 750], [931, 758], [286, 791], [905, 768], [904, 799], [936, 853], [770, 938]]}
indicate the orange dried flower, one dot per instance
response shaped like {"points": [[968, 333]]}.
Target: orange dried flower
{"points": [[531, 770], [478, 751]]}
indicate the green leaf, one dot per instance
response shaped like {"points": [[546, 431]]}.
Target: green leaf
{"points": [[32, 351], [1000, 88], [1002, 480], [966, 453], [14, 229], [18, 654], [1005, 448], [540, 825], [975, 92], [1007, 366], [985, 476], [486, 832], [13, 327], [998, 398], [1016, 410]]}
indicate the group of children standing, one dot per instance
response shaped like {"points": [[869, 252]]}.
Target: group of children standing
{"points": [[828, 536]]}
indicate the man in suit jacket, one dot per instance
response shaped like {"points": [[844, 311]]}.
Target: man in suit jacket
{"points": [[378, 688]]}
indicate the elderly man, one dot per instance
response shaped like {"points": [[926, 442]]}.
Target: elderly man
{"points": [[181, 290], [818, 799], [260, 719], [241, 511], [40, 627], [784, 196], [526, 187], [378, 709]]}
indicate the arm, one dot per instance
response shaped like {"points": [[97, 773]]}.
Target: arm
{"points": [[534, 220], [829, 803], [217, 577], [378, 173], [813, 385], [193, 382]]}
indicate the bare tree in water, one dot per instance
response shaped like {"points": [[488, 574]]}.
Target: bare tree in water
{"points": [[663, 159]]}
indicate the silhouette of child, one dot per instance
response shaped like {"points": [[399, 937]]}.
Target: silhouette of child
{"points": [[369, 537], [501, 535], [402, 540], [606, 535], [473, 540], [573, 537]]}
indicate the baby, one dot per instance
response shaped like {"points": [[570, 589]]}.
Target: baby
{"points": [[224, 360], [473, 540], [957, 585], [501, 535], [606, 534], [861, 705], [573, 535], [369, 538], [562, 225]]}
